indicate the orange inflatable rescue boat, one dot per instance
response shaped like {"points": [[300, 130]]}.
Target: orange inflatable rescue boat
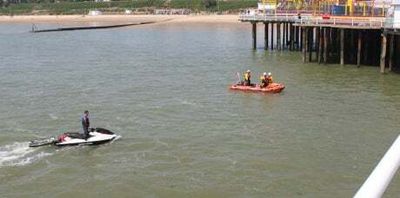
{"points": [[272, 88]]}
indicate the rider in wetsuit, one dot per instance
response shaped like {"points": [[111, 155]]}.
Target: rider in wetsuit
{"points": [[85, 124]]}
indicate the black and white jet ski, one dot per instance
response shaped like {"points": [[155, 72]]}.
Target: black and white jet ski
{"points": [[96, 136]]}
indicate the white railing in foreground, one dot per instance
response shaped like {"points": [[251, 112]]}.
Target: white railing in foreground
{"points": [[383, 173]]}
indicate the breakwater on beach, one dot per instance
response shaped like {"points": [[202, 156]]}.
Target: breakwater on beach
{"points": [[35, 30]]}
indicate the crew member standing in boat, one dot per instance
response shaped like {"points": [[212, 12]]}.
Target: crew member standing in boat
{"points": [[247, 76], [85, 124]]}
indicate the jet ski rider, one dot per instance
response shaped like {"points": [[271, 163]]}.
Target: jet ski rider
{"points": [[85, 124]]}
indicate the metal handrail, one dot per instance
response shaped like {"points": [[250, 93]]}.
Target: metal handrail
{"points": [[309, 20], [263, 17], [337, 21]]}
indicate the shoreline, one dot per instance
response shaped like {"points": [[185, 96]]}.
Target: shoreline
{"points": [[117, 19]]}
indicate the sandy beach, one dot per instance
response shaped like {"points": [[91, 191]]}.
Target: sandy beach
{"points": [[119, 19]]}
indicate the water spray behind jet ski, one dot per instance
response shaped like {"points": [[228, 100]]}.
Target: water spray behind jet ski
{"points": [[96, 136]]}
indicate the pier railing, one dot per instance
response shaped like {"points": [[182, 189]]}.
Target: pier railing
{"points": [[264, 17], [390, 23], [352, 22], [312, 20]]}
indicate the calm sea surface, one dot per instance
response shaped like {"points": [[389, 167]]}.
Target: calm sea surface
{"points": [[164, 89]]}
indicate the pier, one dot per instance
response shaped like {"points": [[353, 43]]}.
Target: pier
{"points": [[329, 39]]}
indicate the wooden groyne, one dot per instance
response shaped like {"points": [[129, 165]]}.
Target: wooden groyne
{"points": [[339, 40], [34, 30]]}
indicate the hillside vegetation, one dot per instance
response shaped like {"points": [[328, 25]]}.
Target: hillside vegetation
{"points": [[59, 7]]}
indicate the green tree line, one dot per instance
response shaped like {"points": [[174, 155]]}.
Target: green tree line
{"points": [[15, 7]]}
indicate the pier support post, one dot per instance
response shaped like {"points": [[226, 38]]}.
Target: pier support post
{"points": [[310, 43], [321, 42], [391, 51], [291, 37], [278, 36], [366, 48], [359, 48], [301, 38], [317, 35], [287, 35], [272, 36], [266, 36], [326, 45], [383, 53], [352, 47], [341, 46], [304, 30], [254, 35], [283, 36], [294, 41], [297, 38]]}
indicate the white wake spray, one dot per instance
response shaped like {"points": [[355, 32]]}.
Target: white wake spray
{"points": [[18, 154]]}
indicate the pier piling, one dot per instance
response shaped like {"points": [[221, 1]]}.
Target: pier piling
{"points": [[383, 53], [278, 36], [287, 35], [254, 35], [303, 30], [359, 48], [301, 38], [366, 48], [342, 46], [283, 35], [272, 36], [291, 37], [391, 51], [320, 44], [310, 43], [317, 35], [325, 45], [294, 38], [266, 36]]}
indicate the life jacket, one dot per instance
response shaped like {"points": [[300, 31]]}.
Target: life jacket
{"points": [[264, 81], [246, 76], [269, 78]]}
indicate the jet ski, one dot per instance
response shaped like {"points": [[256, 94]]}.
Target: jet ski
{"points": [[96, 136]]}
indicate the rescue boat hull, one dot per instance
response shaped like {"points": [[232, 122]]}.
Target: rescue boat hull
{"points": [[272, 88]]}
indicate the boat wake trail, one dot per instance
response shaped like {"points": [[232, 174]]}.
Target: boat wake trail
{"points": [[19, 154]]}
